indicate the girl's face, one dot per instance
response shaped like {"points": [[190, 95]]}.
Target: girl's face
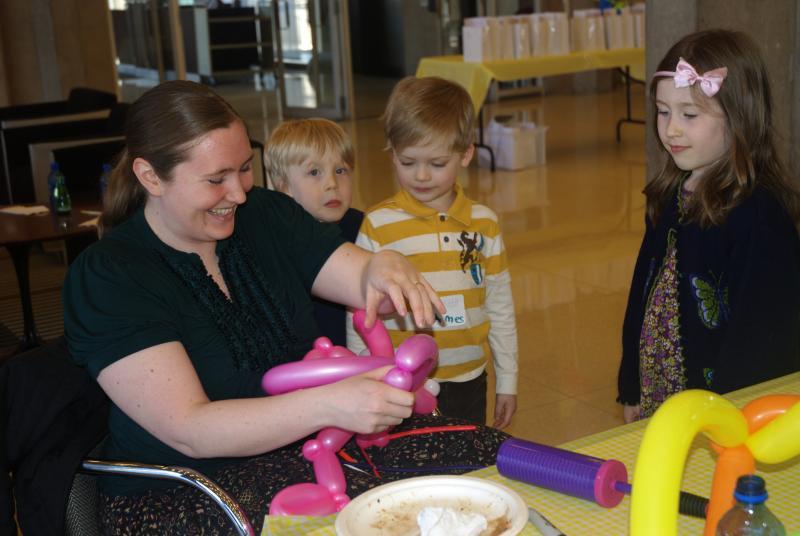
{"points": [[196, 208], [696, 137], [322, 184]]}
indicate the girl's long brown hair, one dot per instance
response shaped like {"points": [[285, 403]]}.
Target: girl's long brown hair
{"points": [[161, 127], [746, 101]]}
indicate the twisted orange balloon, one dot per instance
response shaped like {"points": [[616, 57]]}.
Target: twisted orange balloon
{"points": [[767, 429]]}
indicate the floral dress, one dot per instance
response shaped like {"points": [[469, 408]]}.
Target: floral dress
{"points": [[660, 351], [661, 354]]}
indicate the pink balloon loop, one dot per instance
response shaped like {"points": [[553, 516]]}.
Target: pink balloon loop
{"points": [[327, 363]]}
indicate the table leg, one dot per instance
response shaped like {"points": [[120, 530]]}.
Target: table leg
{"points": [[20, 255], [626, 73], [480, 143]]}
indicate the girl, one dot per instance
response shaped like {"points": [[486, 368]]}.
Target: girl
{"points": [[715, 298]]}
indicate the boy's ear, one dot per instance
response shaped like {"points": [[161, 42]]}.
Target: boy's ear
{"points": [[466, 158], [147, 177]]}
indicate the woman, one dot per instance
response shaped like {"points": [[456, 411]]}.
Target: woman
{"points": [[200, 284]]}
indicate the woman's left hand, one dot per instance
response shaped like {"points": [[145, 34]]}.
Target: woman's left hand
{"points": [[378, 282], [390, 282]]}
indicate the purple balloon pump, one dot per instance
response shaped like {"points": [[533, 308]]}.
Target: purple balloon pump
{"points": [[602, 481]]}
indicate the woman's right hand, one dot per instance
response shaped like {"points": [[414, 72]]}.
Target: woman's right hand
{"points": [[364, 404], [631, 413]]}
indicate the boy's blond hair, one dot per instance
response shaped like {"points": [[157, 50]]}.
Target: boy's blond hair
{"points": [[429, 110], [293, 142]]}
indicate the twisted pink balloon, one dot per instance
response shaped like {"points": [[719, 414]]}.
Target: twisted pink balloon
{"points": [[326, 363]]}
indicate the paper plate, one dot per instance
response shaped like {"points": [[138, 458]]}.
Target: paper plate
{"points": [[391, 509]]}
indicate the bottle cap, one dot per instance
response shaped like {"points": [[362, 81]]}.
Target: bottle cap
{"points": [[54, 166], [106, 167], [750, 489]]}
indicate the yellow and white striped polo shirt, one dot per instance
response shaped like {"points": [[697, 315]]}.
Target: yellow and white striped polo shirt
{"points": [[461, 253]]}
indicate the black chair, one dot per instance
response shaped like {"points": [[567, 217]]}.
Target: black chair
{"points": [[80, 99], [87, 113], [52, 416]]}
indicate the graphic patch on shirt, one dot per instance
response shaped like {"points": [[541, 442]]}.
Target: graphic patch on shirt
{"points": [[712, 300], [470, 255]]}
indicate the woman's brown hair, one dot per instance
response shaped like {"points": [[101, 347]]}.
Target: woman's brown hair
{"points": [[161, 127], [746, 102]]}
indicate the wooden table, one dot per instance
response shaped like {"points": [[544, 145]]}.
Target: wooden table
{"points": [[19, 233], [578, 517]]}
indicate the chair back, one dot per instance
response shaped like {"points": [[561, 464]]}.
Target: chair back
{"points": [[83, 504]]}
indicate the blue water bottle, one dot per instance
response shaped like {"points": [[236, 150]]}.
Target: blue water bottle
{"points": [[52, 179], [750, 515], [105, 177]]}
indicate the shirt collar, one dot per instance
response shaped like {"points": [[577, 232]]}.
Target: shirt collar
{"points": [[460, 210]]}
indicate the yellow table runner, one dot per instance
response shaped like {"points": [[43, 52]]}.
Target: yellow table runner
{"points": [[577, 517], [477, 77]]}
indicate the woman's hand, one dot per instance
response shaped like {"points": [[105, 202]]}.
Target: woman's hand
{"points": [[365, 404], [378, 282], [631, 413], [389, 281]]}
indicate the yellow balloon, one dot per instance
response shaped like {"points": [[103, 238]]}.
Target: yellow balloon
{"points": [[663, 452], [779, 440]]}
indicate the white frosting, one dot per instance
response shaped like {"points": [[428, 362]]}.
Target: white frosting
{"points": [[437, 521]]}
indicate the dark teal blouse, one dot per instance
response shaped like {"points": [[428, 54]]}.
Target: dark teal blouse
{"points": [[130, 291]]}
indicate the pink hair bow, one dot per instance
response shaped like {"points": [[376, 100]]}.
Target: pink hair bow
{"points": [[685, 75]]}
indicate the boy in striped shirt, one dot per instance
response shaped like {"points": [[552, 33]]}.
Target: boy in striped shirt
{"points": [[454, 242]]}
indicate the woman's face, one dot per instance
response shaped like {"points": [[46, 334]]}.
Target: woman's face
{"points": [[196, 207]]}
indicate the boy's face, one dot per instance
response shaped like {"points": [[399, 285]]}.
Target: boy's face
{"points": [[322, 184], [429, 172]]}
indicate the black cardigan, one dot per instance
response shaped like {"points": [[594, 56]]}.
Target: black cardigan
{"points": [[752, 261], [52, 413]]}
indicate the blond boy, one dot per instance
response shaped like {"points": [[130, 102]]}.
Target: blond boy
{"points": [[312, 160], [453, 241]]}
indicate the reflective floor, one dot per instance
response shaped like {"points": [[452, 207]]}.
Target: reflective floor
{"points": [[572, 228]]}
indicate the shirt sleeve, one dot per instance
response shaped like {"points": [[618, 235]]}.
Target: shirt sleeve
{"points": [[113, 308], [274, 222], [354, 341], [503, 325]]}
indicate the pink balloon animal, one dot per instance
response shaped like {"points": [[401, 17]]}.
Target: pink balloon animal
{"points": [[326, 363]]}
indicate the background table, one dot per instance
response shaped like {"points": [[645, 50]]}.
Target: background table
{"points": [[577, 517], [18, 233], [477, 77]]}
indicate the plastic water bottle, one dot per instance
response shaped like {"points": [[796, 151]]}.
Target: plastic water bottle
{"points": [[62, 203], [52, 178], [105, 177], [750, 516]]}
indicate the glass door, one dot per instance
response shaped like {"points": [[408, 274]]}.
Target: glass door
{"points": [[313, 58]]}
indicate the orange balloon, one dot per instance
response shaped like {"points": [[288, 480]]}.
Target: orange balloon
{"points": [[731, 464], [737, 461]]}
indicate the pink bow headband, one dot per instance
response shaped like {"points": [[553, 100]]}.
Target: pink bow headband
{"points": [[685, 75]]}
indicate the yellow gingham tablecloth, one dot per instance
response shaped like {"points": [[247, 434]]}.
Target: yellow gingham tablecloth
{"points": [[577, 517]]}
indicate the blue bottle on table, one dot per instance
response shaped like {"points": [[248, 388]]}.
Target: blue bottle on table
{"points": [[52, 179], [105, 176]]}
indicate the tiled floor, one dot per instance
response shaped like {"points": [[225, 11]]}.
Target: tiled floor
{"points": [[572, 228]]}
